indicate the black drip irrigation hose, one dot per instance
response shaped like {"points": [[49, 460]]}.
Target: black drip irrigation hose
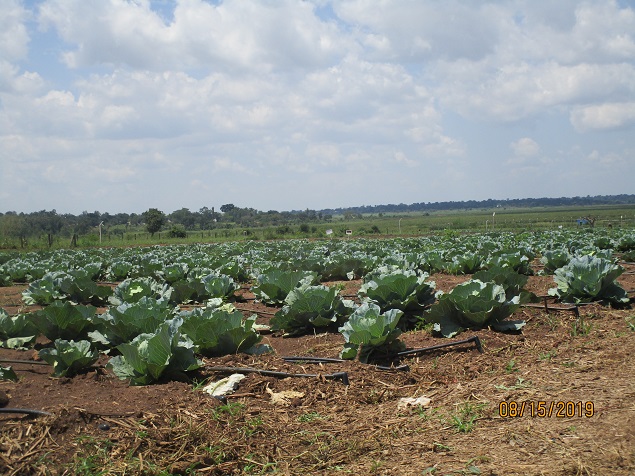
{"points": [[26, 411], [341, 376], [475, 339], [328, 360], [267, 313], [15, 361], [573, 308]]}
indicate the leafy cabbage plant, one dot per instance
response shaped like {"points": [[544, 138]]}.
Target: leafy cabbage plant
{"points": [[69, 357], [133, 289], [464, 263], [46, 290], [405, 290], [63, 320], [518, 260], [119, 270], [342, 266], [16, 331], [273, 286], [76, 285], [554, 259], [589, 278], [373, 331], [399, 289], [18, 270], [218, 286], [197, 288], [473, 304], [7, 373], [125, 322], [5, 279], [232, 269], [311, 307], [217, 332], [510, 280], [174, 272], [151, 356]]}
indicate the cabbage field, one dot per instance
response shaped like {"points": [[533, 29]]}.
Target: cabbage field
{"points": [[106, 355]]}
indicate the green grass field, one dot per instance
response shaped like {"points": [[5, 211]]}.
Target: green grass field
{"points": [[371, 225], [406, 224]]}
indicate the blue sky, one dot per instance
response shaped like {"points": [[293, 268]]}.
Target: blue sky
{"points": [[119, 106]]}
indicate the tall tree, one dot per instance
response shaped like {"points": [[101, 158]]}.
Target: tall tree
{"points": [[185, 217], [154, 219], [15, 226]]}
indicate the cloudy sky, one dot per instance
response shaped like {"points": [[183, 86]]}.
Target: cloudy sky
{"points": [[123, 105]]}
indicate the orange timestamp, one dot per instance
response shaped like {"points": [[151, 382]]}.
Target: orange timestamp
{"points": [[545, 409]]}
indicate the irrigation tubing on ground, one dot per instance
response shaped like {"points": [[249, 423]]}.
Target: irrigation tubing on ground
{"points": [[475, 339], [342, 376], [16, 361], [329, 360], [256, 311], [26, 411]]}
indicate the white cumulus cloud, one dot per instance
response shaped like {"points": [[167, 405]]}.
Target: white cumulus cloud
{"points": [[603, 116], [525, 147]]}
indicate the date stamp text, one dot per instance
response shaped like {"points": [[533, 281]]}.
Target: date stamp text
{"points": [[545, 409]]}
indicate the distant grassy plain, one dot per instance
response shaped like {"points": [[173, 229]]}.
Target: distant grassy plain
{"points": [[393, 224]]}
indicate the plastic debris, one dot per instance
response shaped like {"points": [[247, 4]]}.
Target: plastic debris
{"points": [[224, 386], [284, 398], [407, 402], [262, 328]]}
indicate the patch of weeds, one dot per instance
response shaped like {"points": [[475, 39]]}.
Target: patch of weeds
{"points": [[216, 453], [197, 385], [228, 409], [568, 364], [374, 467], [471, 469], [255, 467], [307, 417], [93, 456], [511, 366], [251, 426], [548, 355], [426, 414], [630, 322], [339, 468], [463, 420], [376, 396], [580, 328], [552, 321], [520, 383], [439, 447], [425, 327], [430, 470], [340, 287]]}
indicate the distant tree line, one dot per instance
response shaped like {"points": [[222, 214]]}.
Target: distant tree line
{"points": [[485, 204], [48, 224]]}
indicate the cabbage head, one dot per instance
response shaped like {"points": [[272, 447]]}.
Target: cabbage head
{"points": [[473, 305]]}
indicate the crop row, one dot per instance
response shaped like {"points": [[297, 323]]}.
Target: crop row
{"points": [[149, 336]]}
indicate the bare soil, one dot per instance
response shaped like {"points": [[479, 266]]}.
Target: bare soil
{"points": [[100, 425]]}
